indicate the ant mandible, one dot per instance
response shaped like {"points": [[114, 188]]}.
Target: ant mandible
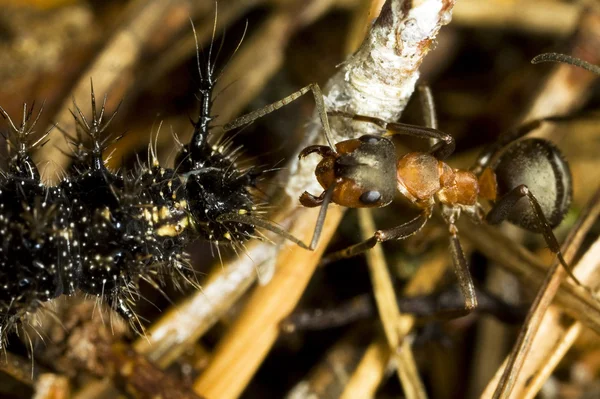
{"points": [[365, 173]]}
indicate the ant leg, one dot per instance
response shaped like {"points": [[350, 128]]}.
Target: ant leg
{"points": [[502, 208], [396, 233], [461, 269], [267, 109], [441, 150], [429, 115], [427, 106]]}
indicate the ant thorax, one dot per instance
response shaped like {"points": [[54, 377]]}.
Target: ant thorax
{"points": [[425, 180]]}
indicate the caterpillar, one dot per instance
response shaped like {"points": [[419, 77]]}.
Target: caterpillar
{"points": [[99, 231]]}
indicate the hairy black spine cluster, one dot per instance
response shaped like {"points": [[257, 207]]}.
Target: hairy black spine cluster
{"points": [[98, 231]]}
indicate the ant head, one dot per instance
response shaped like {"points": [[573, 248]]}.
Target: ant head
{"points": [[364, 171], [542, 168]]}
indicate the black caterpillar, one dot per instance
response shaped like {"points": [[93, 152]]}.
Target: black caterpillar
{"points": [[98, 231]]}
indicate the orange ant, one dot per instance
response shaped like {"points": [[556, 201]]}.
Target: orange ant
{"points": [[365, 172]]}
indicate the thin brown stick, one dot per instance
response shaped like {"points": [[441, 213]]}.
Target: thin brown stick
{"points": [[575, 300], [424, 281], [329, 377], [559, 335], [370, 371], [545, 296], [390, 315]]}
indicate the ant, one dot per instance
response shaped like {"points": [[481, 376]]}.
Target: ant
{"points": [[527, 181]]}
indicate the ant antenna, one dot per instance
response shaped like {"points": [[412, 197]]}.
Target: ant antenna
{"points": [[566, 59]]}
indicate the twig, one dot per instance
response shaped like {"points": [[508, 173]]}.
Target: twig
{"points": [[545, 296], [370, 371], [390, 315], [559, 335], [330, 377]]}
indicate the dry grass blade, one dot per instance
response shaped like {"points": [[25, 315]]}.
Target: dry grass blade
{"points": [[330, 376], [250, 338], [424, 281], [545, 296], [390, 315], [557, 335], [370, 371], [575, 300]]}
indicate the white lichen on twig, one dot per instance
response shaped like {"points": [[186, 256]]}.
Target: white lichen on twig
{"points": [[379, 79]]}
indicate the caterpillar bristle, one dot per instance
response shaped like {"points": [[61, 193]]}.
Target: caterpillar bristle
{"points": [[101, 232]]}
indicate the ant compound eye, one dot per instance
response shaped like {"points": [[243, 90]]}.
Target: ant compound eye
{"points": [[370, 197], [369, 139]]}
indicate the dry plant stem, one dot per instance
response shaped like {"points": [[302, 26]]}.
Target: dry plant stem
{"points": [[113, 70], [183, 324], [544, 298], [52, 386], [530, 17], [370, 371], [575, 300], [329, 378], [250, 338], [557, 335], [424, 281], [390, 315]]}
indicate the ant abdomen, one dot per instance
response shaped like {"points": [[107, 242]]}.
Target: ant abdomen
{"points": [[539, 165]]}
